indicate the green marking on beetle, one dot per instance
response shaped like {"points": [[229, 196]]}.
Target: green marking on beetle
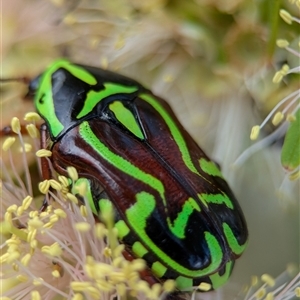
{"points": [[137, 216], [123, 229], [93, 97], [209, 167], [179, 225], [119, 162], [232, 241], [44, 92], [219, 280], [175, 132], [126, 118], [158, 269], [183, 283], [216, 199], [77, 187], [139, 249]]}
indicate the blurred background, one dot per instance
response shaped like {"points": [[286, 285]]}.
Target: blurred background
{"points": [[212, 60]]}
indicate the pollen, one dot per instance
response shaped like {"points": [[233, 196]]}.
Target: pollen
{"points": [[83, 211], [15, 125], [43, 153], [204, 286], [26, 148], [32, 117], [82, 226], [26, 259], [77, 296], [44, 186], [282, 43], [72, 198], [32, 131], [297, 292], [60, 213], [64, 181], [260, 294], [72, 172], [8, 143], [35, 295], [270, 296], [53, 250], [286, 16], [279, 116], [55, 184], [255, 132], [268, 279]]}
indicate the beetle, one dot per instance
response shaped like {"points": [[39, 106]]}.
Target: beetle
{"points": [[173, 207]]}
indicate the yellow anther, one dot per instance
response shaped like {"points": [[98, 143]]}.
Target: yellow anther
{"points": [[13, 256], [269, 280], [13, 208], [69, 19], [105, 286], [53, 250], [72, 198], [22, 278], [291, 118], [107, 252], [35, 295], [33, 131], [20, 211], [33, 244], [32, 117], [277, 77], [83, 211], [38, 281], [254, 132], [33, 214], [270, 296], [204, 286], [294, 176], [31, 235], [82, 226], [169, 285], [44, 186], [60, 213], [53, 218], [254, 281], [287, 17], [55, 274], [27, 148], [26, 202], [4, 257], [79, 286], [279, 116], [93, 292], [260, 294], [104, 63], [15, 125], [48, 225], [63, 180], [43, 214], [35, 223], [55, 184], [43, 153], [168, 78], [282, 43], [117, 262], [10, 242], [118, 250], [8, 217], [121, 289], [26, 259], [72, 172], [138, 264], [297, 292], [8, 143], [77, 296], [100, 230]]}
